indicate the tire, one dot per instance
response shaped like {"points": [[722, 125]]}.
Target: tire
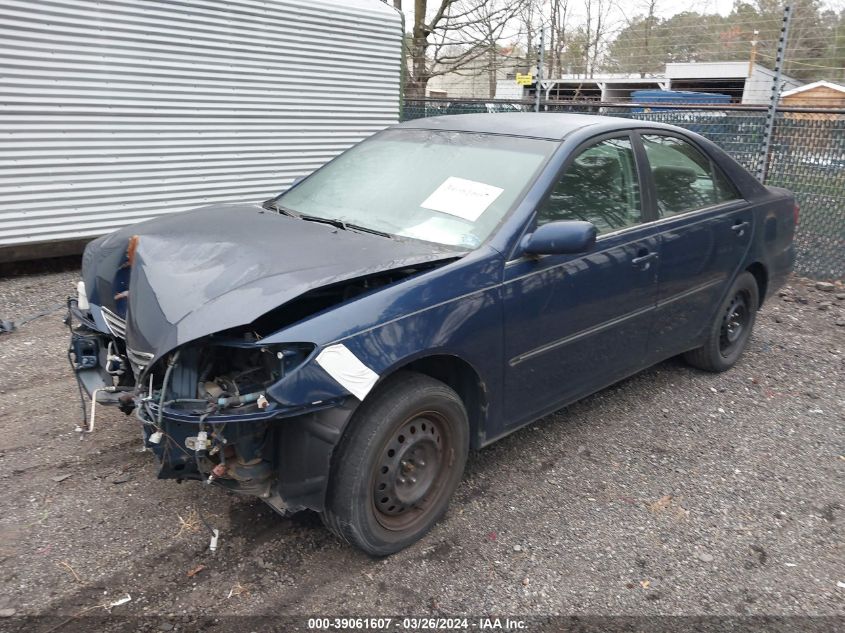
{"points": [[728, 334], [397, 465]]}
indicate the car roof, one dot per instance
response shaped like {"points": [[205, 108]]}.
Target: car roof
{"points": [[548, 125], [556, 126]]}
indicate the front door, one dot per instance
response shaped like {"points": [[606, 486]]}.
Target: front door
{"points": [[576, 323]]}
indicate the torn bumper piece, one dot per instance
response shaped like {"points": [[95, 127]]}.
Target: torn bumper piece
{"points": [[231, 408], [278, 449], [281, 456]]}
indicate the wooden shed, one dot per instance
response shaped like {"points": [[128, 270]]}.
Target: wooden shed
{"points": [[812, 135], [819, 94]]}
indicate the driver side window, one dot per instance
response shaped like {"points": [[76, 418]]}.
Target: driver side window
{"points": [[600, 186]]}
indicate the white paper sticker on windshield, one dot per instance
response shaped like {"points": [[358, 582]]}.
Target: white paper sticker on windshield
{"points": [[463, 198]]}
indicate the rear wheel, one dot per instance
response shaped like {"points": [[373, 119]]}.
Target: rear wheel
{"points": [[398, 464], [728, 335]]}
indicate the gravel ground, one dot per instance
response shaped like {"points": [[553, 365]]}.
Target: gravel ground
{"points": [[673, 492]]}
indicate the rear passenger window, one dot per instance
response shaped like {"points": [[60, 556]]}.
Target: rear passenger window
{"points": [[600, 186], [684, 178]]}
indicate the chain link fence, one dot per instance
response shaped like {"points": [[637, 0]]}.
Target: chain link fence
{"points": [[807, 156]]}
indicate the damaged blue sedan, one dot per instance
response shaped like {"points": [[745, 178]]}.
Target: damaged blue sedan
{"points": [[342, 347]]}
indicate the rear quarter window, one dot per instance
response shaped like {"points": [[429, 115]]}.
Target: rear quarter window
{"points": [[684, 178]]}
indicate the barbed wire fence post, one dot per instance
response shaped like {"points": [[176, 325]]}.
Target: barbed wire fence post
{"points": [[541, 61], [763, 162]]}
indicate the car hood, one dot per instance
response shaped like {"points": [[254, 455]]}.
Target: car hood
{"points": [[218, 267]]}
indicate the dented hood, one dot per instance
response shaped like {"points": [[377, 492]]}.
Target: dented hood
{"points": [[223, 266]]}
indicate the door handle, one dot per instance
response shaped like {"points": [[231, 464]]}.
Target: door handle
{"points": [[739, 227], [642, 261]]}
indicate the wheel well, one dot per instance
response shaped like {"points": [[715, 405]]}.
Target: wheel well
{"points": [[759, 271], [466, 382]]}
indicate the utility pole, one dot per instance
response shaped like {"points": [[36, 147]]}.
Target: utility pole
{"points": [[540, 68], [753, 59]]}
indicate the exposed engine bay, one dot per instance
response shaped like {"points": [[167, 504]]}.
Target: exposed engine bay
{"points": [[204, 409]]}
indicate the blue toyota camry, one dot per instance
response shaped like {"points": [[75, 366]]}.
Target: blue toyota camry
{"points": [[342, 347]]}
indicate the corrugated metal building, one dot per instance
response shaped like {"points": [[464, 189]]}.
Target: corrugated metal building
{"points": [[116, 111], [750, 84]]}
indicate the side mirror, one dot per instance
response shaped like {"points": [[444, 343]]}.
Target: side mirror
{"points": [[560, 238]]}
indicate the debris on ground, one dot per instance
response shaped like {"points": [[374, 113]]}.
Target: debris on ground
{"points": [[190, 524], [238, 591], [118, 602], [67, 566]]}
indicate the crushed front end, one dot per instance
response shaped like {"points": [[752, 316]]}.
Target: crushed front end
{"points": [[181, 321], [225, 409], [210, 410]]}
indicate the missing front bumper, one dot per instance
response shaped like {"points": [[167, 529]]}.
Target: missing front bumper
{"points": [[282, 459], [280, 454]]}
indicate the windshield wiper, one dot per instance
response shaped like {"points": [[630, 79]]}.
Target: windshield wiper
{"points": [[315, 218], [275, 206], [346, 226], [366, 229], [272, 204]]}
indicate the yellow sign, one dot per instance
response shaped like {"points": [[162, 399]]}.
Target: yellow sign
{"points": [[524, 80]]}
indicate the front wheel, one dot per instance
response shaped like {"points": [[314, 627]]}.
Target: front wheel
{"points": [[731, 328], [398, 464]]}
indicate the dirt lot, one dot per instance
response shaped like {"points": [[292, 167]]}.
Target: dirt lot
{"points": [[674, 492]]}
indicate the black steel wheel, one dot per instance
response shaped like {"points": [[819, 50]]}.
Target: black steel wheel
{"points": [[728, 334], [398, 464], [734, 323], [412, 470]]}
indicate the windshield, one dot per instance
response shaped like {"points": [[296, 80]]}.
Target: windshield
{"points": [[451, 188]]}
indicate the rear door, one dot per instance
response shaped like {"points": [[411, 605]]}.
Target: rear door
{"points": [[575, 323], [705, 233]]}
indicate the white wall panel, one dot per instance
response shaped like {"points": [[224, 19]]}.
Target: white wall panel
{"points": [[117, 111]]}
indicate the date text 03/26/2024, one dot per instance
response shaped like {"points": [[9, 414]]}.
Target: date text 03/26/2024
{"points": [[415, 624]]}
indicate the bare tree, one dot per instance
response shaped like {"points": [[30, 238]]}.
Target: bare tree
{"points": [[596, 30], [530, 19], [559, 10], [486, 32], [453, 35], [639, 33]]}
